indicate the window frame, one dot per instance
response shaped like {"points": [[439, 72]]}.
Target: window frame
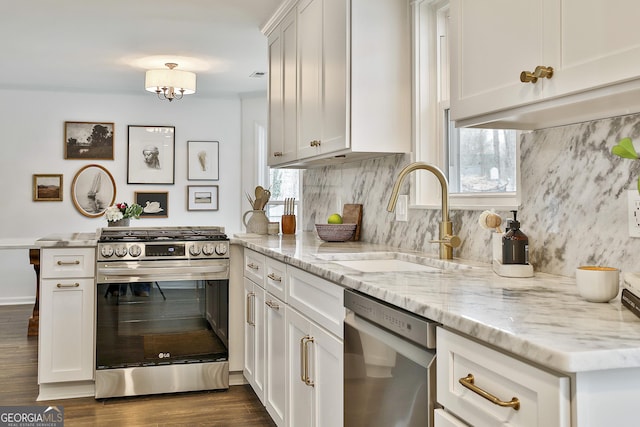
{"points": [[430, 100]]}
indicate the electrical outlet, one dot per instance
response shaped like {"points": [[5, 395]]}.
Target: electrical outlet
{"points": [[402, 207], [634, 213]]}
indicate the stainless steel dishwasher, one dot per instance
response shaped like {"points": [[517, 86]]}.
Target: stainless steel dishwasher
{"points": [[389, 365]]}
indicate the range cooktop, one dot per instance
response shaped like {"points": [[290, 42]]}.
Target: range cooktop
{"points": [[149, 234]]}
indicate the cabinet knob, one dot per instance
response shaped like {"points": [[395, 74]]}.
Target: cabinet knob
{"points": [[539, 73]]}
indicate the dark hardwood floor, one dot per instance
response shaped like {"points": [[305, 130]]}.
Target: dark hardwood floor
{"points": [[237, 406]]}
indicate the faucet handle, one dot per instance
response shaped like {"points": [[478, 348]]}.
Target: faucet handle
{"points": [[449, 240]]}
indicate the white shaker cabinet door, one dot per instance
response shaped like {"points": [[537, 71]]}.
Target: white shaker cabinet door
{"points": [[492, 42], [600, 45], [66, 348], [322, 76], [254, 337], [276, 361]]}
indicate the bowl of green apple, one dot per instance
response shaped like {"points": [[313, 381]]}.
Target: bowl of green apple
{"points": [[335, 230]]}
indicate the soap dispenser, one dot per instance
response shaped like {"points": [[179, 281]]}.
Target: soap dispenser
{"points": [[515, 244]]}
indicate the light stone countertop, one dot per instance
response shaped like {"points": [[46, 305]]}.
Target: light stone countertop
{"points": [[542, 319], [67, 240]]}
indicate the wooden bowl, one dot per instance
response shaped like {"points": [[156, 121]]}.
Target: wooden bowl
{"points": [[335, 232]]}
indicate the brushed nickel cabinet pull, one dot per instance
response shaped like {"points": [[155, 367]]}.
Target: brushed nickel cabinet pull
{"points": [[253, 266], [76, 262], [303, 364], [277, 154], [274, 277], [468, 383], [308, 381], [68, 285], [272, 304], [249, 316]]}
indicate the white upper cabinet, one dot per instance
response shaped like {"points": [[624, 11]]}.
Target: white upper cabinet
{"points": [[594, 53], [353, 80], [322, 74], [282, 92]]}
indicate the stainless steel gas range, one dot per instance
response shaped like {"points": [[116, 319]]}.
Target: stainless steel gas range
{"points": [[162, 310]]}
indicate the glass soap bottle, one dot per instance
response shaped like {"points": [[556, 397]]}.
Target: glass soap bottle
{"points": [[515, 244]]}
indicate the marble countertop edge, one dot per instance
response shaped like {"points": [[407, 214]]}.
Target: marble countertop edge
{"points": [[540, 319]]}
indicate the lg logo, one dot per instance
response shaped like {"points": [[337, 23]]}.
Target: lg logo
{"points": [[164, 355]]}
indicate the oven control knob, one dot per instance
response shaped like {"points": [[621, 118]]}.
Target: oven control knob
{"points": [[221, 249], [135, 251], [195, 250], [208, 249], [121, 251], [106, 251]]}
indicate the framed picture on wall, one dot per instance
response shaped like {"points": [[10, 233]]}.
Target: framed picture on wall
{"points": [[47, 188], [203, 160], [88, 140], [151, 155], [93, 190], [155, 204], [202, 198]]}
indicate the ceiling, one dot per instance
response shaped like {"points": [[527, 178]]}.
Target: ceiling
{"points": [[106, 46]]}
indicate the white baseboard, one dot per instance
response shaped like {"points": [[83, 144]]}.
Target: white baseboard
{"points": [[17, 300]]}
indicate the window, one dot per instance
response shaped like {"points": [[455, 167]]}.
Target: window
{"points": [[283, 183], [480, 164]]}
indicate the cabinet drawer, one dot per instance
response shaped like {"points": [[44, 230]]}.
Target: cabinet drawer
{"points": [[444, 419], [543, 397], [254, 266], [68, 262], [316, 298], [275, 278]]}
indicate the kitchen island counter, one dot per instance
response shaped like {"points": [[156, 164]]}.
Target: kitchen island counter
{"points": [[542, 319]]}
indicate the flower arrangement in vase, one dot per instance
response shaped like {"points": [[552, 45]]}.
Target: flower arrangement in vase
{"points": [[119, 214]]}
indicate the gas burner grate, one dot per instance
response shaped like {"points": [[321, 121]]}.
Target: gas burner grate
{"points": [[166, 233]]}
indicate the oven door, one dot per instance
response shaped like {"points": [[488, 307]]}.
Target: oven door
{"points": [[388, 381], [159, 270]]}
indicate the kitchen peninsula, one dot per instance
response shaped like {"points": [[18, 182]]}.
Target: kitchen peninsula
{"points": [[539, 320]]}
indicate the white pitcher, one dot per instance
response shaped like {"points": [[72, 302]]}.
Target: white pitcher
{"points": [[257, 223]]}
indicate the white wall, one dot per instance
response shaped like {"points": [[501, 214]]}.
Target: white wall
{"points": [[31, 142]]}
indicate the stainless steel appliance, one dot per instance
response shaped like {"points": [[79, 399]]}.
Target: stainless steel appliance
{"points": [[162, 310], [389, 365]]}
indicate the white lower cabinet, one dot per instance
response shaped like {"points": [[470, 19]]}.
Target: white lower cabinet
{"points": [[66, 347], [254, 337], [275, 397], [315, 371], [485, 387], [293, 342], [66, 330]]}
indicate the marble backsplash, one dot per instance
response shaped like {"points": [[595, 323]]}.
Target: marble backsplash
{"points": [[573, 200]]}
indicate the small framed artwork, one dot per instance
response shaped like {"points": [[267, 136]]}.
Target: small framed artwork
{"points": [[155, 204], [47, 188], [93, 190], [151, 156], [202, 197], [88, 140], [203, 160]]}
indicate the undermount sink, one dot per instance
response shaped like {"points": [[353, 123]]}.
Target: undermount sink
{"points": [[382, 265], [377, 262]]}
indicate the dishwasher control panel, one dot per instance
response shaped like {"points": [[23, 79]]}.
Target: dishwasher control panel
{"points": [[401, 322]]}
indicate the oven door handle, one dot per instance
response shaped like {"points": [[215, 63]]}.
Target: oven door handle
{"points": [[153, 271]]}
